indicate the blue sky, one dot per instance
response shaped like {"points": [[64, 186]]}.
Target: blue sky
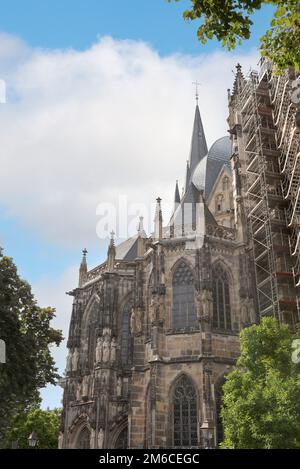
{"points": [[76, 23], [37, 131]]}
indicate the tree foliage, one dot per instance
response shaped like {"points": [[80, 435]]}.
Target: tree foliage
{"points": [[28, 335], [229, 21], [261, 401], [45, 424]]}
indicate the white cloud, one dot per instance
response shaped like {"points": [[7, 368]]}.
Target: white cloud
{"points": [[83, 127]]}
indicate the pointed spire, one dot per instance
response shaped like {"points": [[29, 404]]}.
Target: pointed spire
{"points": [[177, 195], [83, 269], [199, 145], [188, 175], [158, 220], [111, 253], [239, 80]]}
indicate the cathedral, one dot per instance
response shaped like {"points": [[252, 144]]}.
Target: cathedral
{"points": [[155, 328]]}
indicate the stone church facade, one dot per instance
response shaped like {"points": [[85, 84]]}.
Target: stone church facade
{"points": [[154, 329]]}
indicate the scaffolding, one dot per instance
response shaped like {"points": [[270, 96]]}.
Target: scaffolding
{"points": [[271, 145]]}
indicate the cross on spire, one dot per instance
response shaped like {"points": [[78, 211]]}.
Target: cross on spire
{"points": [[197, 84]]}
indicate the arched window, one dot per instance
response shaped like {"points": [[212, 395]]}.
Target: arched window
{"points": [[126, 339], [183, 297], [83, 441], [184, 414], [122, 440], [221, 299]]}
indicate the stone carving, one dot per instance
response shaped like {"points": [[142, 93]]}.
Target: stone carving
{"points": [[99, 349], [92, 439], [101, 438], [69, 362], [106, 349], [205, 305], [136, 321], [60, 440], [79, 391], [152, 312], [85, 386], [119, 386], [113, 350], [75, 358]]}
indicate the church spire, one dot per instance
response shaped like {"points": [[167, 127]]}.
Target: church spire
{"points": [[199, 145], [188, 175], [83, 269], [239, 80], [177, 195], [111, 253]]}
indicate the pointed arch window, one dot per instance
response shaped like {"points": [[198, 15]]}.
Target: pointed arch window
{"points": [[219, 402], [183, 297], [126, 339], [221, 299], [83, 441], [122, 440], [184, 414]]}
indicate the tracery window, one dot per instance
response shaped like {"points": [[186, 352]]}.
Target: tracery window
{"points": [[126, 338], [221, 299], [83, 441], [122, 440], [183, 297], [184, 414]]}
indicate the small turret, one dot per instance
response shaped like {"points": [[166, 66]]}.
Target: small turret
{"points": [[158, 231], [83, 269], [111, 253]]}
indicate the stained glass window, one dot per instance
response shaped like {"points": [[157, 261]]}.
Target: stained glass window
{"points": [[221, 298], [126, 339], [184, 414], [183, 297]]}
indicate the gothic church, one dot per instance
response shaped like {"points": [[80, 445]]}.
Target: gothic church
{"points": [[154, 329]]}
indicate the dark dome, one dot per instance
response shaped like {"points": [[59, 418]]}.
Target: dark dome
{"points": [[208, 169]]}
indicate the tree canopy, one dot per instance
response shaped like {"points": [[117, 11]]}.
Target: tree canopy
{"points": [[44, 423], [229, 21], [25, 328], [261, 400]]}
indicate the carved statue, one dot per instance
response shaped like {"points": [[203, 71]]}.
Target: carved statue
{"points": [[205, 299], [106, 349], [136, 321], [132, 321], [101, 438], [60, 440], [75, 358], [85, 386], [119, 386], [69, 362], [99, 349], [152, 311], [79, 391], [92, 439], [113, 350]]}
